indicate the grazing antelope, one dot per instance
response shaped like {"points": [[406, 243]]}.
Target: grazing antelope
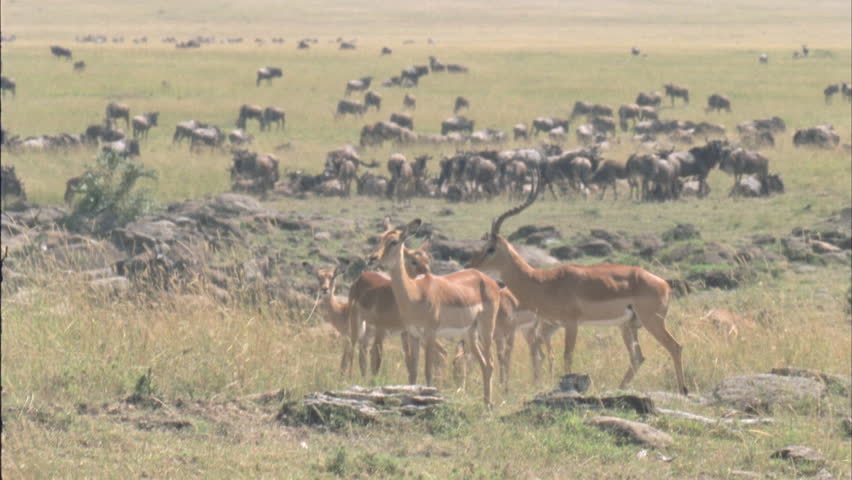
{"points": [[143, 123], [273, 115], [571, 295], [250, 111], [461, 303], [675, 91], [117, 110]]}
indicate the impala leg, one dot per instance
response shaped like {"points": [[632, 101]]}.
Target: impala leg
{"points": [[506, 361], [414, 359], [429, 339], [460, 364], [376, 351], [483, 356], [570, 342], [630, 335], [363, 346], [654, 322]]}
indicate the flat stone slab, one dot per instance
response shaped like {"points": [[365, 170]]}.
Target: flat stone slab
{"points": [[839, 384], [636, 432], [798, 453], [571, 401], [762, 392]]}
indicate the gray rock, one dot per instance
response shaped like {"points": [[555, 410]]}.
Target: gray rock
{"points": [[763, 392], [798, 453], [839, 384], [566, 252], [575, 383], [536, 257], [683, 231], [535, 235], [596, 248], [635, 432], [847, 425], [460, 251], [616, 239], [647, 244]]}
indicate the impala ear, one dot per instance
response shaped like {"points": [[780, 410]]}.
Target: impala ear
{"points": [[387, 223], [411, 228]]}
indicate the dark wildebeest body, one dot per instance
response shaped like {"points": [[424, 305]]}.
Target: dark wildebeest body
{"points": [[267, 73], [628, 112], [359, 85], [641, 171], [456, 68], [830, 91], [206, 136], [822, 136], [273, 115], [386, 51], [461, 102], [520, 131], [347, 46], [604, 125], [649, 99], [403, 120], [546, 124], [675, 91], [95, 133], [183, 130], [10, 184], [8, 84], [373, 99], [125, 148], [79, 67], [648, 113], [117, 110], [699, 161], [240, 137], [635, 51], [436, 66], [590, 109], [606, 175], [250, 111], [740, 161], [718, 103], [764, 58], [409, 102], [401, 184], [351, 107], [254, 172], [846, 89], [457, 124], [143, 123], [412, 74], [60, 52]]}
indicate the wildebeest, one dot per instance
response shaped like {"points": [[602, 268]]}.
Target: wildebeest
{"points": [[183, 130], [830, 91], [739, 161], [347, 46], [103, 133], [303, 44], [250, 111], [142, 123], [635, 51], [675, 91], [267, 73], [456, 68], [604, 124], [60, 52], [403, 120], [254, 172], [456, 124], [627, 112], [401, 184], [117, 110], [752, 137], [520, 131], [805, 50], [699, 161], [125, 148], [773, 124], [718, 103], [764, 58], [590, 109], [607, 174], [461, 102], [546, 124], [386, 51], [273, 115], [409, 101], [846, 89], [435, 65], [240, 137], [372, 185], [8, 83], [649, 99], [822, 136], [350, 107], [79, 67], [489, 135], [648, 113], [210, 136], [357, 85], [412, 74], [10, 184], [373, 99]]}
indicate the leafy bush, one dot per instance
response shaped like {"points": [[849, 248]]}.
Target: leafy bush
{"points": [[108, 189]]}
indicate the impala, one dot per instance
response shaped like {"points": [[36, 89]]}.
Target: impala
{"points": [[571, 295], [461, 303]]}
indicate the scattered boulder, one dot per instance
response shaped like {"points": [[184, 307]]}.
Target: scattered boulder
{"points": [[847, 426], [535, 235], [682, 231], [595, 248], [566, 252], [723, 278], [618, 240], [460, 251], [763, 392], [635, 432], [799, 454], [562, 400], [839, 384], [647, 245], [574, 383]]}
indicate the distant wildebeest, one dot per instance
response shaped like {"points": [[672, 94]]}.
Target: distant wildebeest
{"points": [[604, 124], [648, 113], [116, 111], [386, 51], [60, 52], [456, 68], [10, 184], [520, 131], [740, 161], [718, 103], [412, 74], [240, 137], [764, 58], [210, 136], [102, 133], [8, 84], [125, 148], [830, 91], [628, 112], [352, 107], [635, 51], [303, 45], [435, 65], [357, 85], [641, 170], [607, 174], [846, 89], [699, 161], [347, 46], [254, 172], [546, 124], [273, 115], [372, 185], [590, 109], [409, 102], [250, 111], [142, 123], [79, 67], [183, 130], [461, 102], [805, 50], [649, 99], [456, 124], [401, 184], [773, 124], [822, 136], [403, 120], [675, 91], [752, 137], [373, 99], [267, 73]]}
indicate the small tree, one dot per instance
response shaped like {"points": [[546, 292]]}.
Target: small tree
{"points": [[108, 189]]}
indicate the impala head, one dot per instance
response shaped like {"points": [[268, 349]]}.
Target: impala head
{"points": [[496, 248], [387, 253], [325, 277]]}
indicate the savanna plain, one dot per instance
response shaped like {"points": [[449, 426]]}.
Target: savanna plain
{"points": [[213, 374]]}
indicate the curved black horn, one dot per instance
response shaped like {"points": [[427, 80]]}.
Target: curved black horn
{"points": [[538, 184]]}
